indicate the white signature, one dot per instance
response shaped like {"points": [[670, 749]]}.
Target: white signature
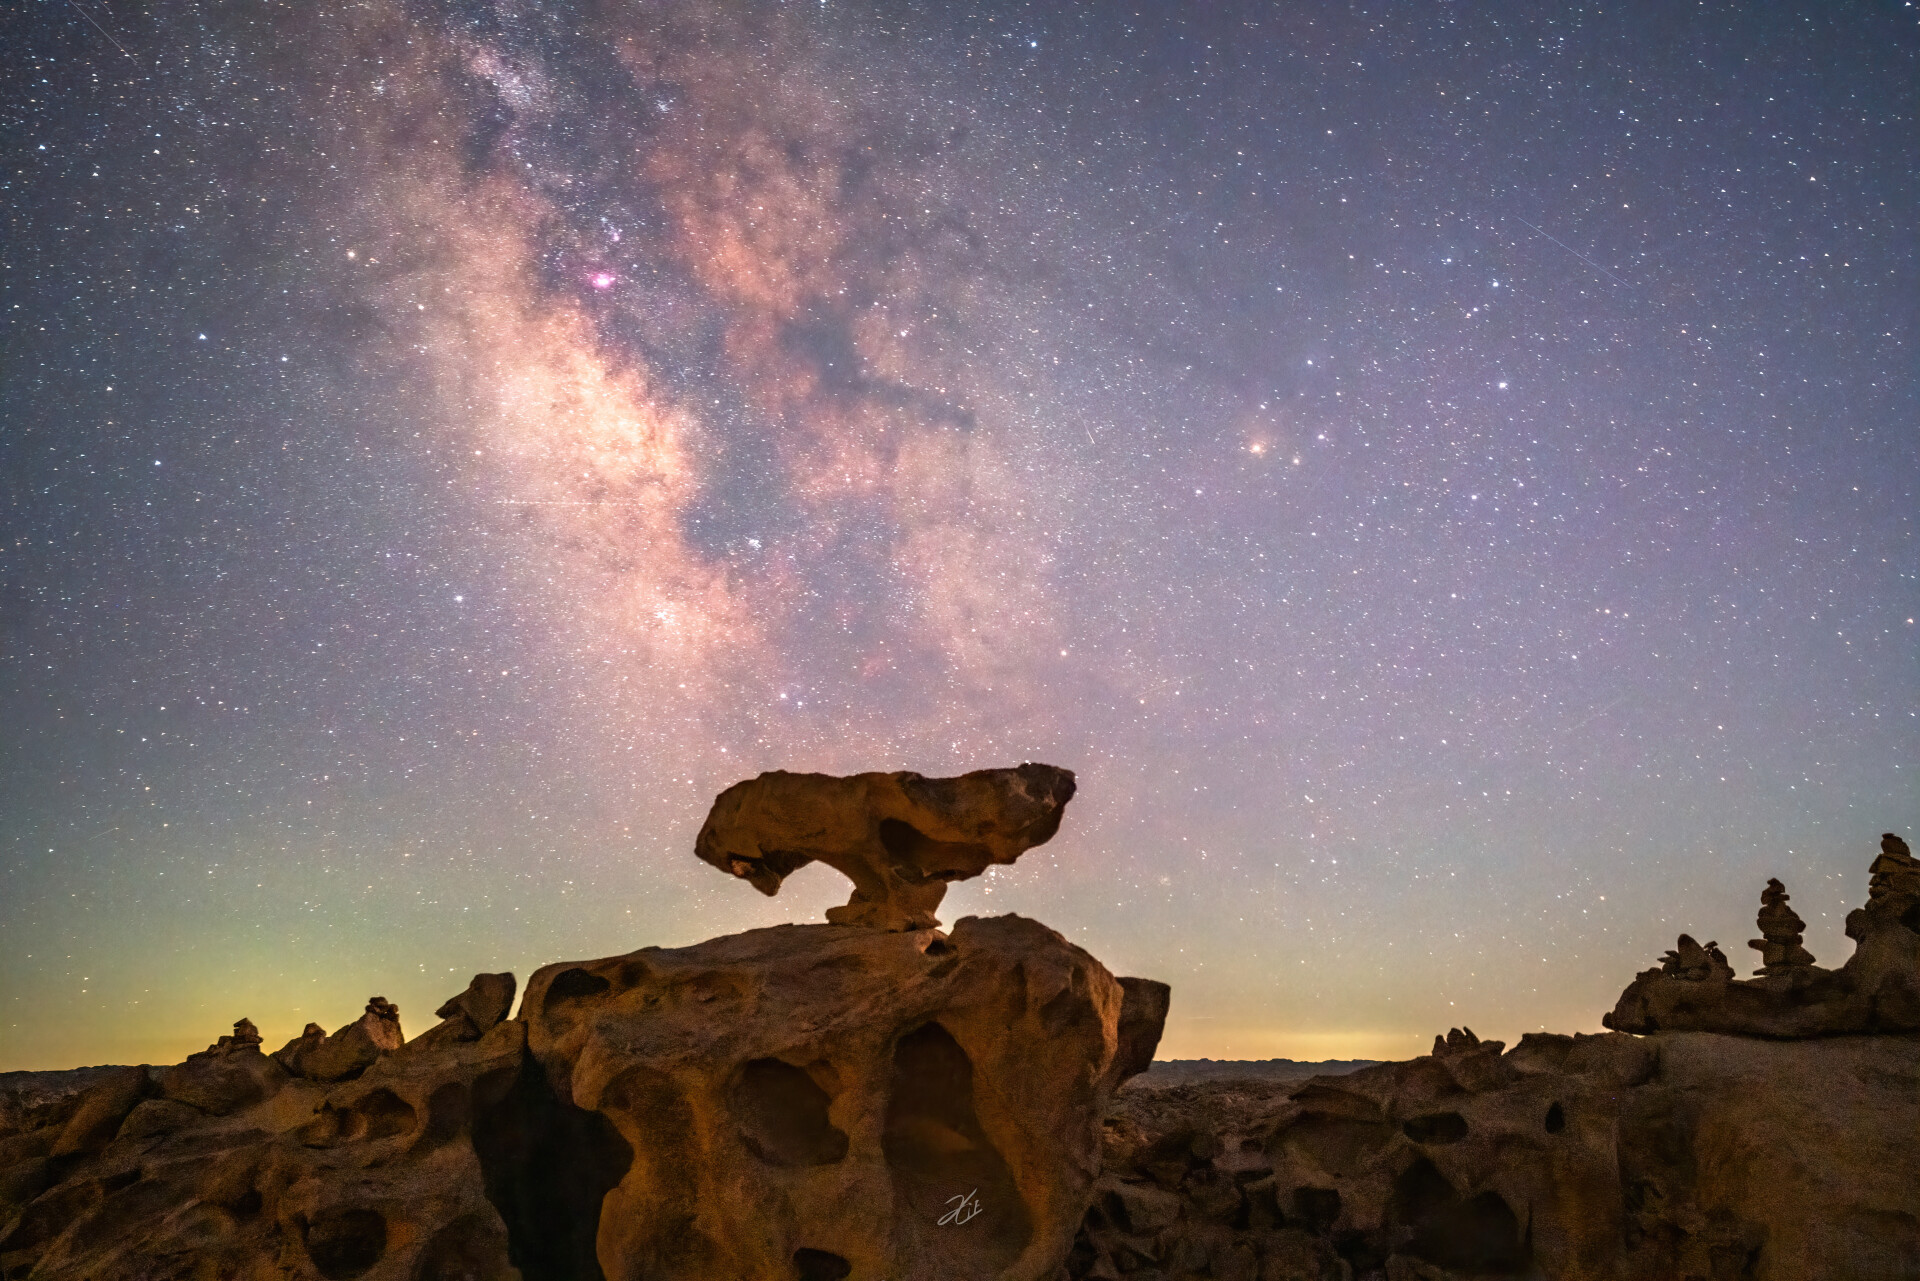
{"points": [[961, 1213]]}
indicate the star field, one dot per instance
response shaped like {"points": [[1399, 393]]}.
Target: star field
{"points": [[1443, 478]]}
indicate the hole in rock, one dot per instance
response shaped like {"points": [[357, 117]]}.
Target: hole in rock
{"points": [[449, 1109], [1556, 1119], [546, 1166], [468, 1249], [820, 1265], [1365, 1252], [782, 1113], [1420, 1191], [900, 838], [1479, 1235], [381, 1115], [942, 1159], [1319, 1207], [572, 984], [345, 1243], [1436, 1127]]}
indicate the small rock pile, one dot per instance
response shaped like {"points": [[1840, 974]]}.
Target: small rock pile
{"points": [[1782, 955], [1877, 991]]}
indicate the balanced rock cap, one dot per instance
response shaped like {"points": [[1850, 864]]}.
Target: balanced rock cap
{"points": [[900, 837]]}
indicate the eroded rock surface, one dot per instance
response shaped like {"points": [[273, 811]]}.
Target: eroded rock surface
{"points": [[900, 838], [822, 1101], [1681, 1155], [1876, 992], [228, 1165]]}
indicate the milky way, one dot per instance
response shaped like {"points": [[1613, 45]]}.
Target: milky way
{"points": [[1445, 481]]}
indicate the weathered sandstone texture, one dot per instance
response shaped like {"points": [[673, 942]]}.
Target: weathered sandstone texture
{"points": [[806, 1101], [819, 1101], [899, 838], [870, 1098], [1876, 991], [1683, 1156], [228, 1165]]}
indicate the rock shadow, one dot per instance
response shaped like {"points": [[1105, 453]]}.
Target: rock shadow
{"points": [[547, 1166], [944, 1166]]}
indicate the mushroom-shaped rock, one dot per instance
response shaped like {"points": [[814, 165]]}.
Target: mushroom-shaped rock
{"points": [[822, 1101], [900, 838]]}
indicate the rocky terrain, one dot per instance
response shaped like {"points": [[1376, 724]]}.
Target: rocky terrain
{"points": [[884, 1100], [1166, 1072], [1763, 1129]]}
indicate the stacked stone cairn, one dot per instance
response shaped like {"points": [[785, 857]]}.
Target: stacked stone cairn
{"points": [[1779, 944]]}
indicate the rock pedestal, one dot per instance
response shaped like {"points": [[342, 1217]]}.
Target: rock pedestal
{"points": [[824, 1101]]}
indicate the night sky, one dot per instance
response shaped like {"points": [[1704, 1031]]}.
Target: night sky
{"points": [[1444, 476]]}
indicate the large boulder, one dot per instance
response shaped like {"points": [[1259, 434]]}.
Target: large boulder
{"points": [[349, 1051], [102, 1107], [899, 838], [474, 1012], [807, 1100]]}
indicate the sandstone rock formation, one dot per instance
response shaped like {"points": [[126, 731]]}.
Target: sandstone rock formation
{"points": [[1576, 1158], [822, 1101], [349, 1051], [1876, 991], [899, 838], [476, 1011], [229, 1166], [869, 1098], [794, 1102], [1690, 962]]}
